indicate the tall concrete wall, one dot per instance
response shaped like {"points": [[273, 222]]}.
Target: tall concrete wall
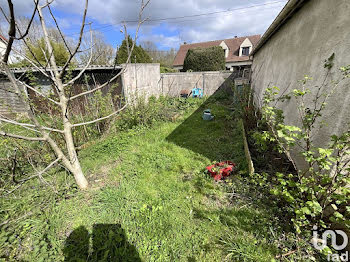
{"points": [[300, 47], [172, 83], [141, 80], [144, 80]]}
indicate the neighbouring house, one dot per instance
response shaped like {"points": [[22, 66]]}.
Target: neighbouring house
{"points": [[299, 41], [237, 51], [3, 45]]}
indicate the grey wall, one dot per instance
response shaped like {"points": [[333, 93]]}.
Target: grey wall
{"points": [[172, 83], [300, 47], [144, 80], [141, 80]]}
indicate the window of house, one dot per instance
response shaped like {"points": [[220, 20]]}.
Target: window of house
{"points": [[245, 51], [225, 52]]}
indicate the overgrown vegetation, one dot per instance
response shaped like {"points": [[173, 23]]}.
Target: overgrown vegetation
{"points": [[318, 194], [205, 59], [150, 198]]}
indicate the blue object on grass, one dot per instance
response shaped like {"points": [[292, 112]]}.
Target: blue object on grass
{"points": [[197, 92]]}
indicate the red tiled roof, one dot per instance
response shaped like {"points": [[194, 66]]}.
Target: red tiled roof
{"points": [[232, 43], [3, 38]]}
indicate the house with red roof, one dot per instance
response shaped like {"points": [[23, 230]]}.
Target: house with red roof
{"points": [[3, 45], [237, 51]]}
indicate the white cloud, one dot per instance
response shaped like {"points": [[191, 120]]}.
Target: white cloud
{"points": [[163, 41], [172, 32]]}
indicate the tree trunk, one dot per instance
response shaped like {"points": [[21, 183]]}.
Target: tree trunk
{"points": [[79, 175], [73, 158]]}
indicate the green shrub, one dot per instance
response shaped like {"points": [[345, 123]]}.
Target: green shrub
{"points": [[319, 194], [164, 69], [205, 59], [139, 55], [155, 109]]}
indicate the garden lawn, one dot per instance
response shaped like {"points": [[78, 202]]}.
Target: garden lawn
{"points": [[151, 199]]}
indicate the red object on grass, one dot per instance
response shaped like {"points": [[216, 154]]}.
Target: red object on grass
{"points": [[224, 172]]}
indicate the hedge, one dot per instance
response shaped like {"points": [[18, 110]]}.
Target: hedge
{"points": [[205, 59]]}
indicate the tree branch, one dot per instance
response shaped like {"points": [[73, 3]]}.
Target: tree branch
{"points": [[4, 14], [12, 32], [9, 192], [22, 137], [24, 126], [59, 30], [79, 41], [100, 119], [31, 62], [53, 64], [30, 21], [127, 61], [21, 182], [85, 67], [46, 136], [43, 171], [38, 92], [48, 3], [29, 125], [97, 88]]}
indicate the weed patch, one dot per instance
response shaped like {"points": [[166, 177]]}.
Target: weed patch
{"points": [[156, 202]]}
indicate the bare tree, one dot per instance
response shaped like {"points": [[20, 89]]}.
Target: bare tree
{"points": [[164, 57], [34, 44], [60, 140], [102, 52]]}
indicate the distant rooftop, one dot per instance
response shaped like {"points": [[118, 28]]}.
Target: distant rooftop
{"points": [[3, 38], [232, 43]]}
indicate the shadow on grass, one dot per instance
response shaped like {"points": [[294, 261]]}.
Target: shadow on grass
{"points": [[219, 139], [109, 243]]}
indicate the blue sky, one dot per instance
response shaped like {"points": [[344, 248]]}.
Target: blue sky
{"points": [[237, 18]]}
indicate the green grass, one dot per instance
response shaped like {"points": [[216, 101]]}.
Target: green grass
{"points": [[150, 200]]}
